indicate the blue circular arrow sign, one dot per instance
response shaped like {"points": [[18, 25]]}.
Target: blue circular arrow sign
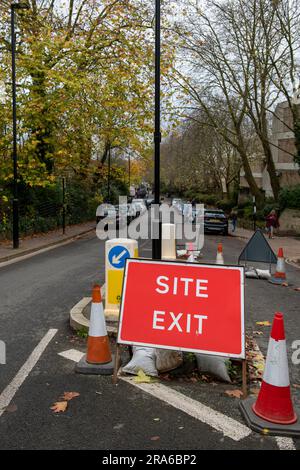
{"points": [[117, 256]]}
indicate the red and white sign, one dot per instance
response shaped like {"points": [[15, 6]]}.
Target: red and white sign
{"points": [[183, 306]]}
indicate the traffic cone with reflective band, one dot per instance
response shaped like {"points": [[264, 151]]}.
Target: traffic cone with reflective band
{"points": [[98, 350], [274, 400], [273, 410], [280, 274], [98, 359], [220, 258]]}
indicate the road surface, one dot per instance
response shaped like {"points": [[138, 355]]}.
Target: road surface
{"points": [[36, 296]]}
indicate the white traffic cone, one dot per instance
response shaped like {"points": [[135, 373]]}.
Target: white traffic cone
{"points": [[98, 359], [273, 411], [220, 258], [280, 274]]}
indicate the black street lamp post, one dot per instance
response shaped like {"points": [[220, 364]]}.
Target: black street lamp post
{"points": [[129, 171], [156, 242], [13, 7], [108, 175]]}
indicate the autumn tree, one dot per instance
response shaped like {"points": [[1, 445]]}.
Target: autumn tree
{"points": [[230, 51], [84, 84]]}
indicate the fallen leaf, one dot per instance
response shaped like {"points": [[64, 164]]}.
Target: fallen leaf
{"points": [[259, 333], [59, 406], [193, 380], [11, 408], [296, 385], [118, 426], [143, 378], [234, 393], [297, 288], [70, 395], [156, 419], [285, 284], [204, 378], [155, 438], [254, 391], [263, 323]]}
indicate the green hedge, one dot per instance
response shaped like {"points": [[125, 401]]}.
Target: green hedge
{"points": [[226, 205], [290, 198]]}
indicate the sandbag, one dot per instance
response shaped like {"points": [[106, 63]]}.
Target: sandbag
{"points": [[263, 273], [258, 273], [167, 360], [213, 365], [143, 359]]}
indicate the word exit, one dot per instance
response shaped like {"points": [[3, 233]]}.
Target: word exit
{"points": [[168, 321]]}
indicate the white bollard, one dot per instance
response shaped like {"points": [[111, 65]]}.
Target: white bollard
{"points": [[168, 242], [116, 253]]}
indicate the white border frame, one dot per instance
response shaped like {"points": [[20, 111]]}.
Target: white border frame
{"points": [[173, 348]]}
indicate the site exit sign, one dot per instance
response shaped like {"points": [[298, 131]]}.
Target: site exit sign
{"points": [[183, 306]]}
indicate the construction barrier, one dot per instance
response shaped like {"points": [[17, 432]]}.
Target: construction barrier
{"points": [[168, 242], [116, 253], [220, 258], [280, 274], [98, 359], [273, 410]]}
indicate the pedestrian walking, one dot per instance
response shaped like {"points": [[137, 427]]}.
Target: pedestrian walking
{"points": [[233, 217], [272, 223]]}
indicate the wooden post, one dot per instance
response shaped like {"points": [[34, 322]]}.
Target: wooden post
{"points": [[117, 365], [244, 378]]}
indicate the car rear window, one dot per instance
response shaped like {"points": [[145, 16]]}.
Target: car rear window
{"points": [[216, 214]]}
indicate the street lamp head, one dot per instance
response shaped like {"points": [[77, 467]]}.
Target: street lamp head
{"points": [[20, 6]]}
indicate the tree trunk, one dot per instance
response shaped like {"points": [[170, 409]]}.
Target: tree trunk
{"points": [[254, 189], [44, 129], [271, 170]]}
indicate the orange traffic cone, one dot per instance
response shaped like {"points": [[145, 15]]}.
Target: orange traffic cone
{"points": [[273, 410], [98, 350], [280, 274], [220, 258], [98, 359], [274, 400]]}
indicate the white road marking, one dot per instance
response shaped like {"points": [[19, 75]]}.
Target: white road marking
{"points": [[285, 443], [229, 427], [9, 392], [72, 355]]}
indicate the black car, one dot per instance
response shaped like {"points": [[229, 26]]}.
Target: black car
{"points": [[215, 220]]}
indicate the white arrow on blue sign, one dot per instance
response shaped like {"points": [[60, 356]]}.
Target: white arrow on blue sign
{"points": [[118, 255]]}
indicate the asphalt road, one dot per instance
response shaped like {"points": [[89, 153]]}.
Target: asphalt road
{"points": [[36, 295]]}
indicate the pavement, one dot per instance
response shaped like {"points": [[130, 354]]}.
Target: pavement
{"points": [[290, 245], [37, 294], [31, 244]]}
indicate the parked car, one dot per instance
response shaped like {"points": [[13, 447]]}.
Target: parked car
{"points": [[176, 201], [139, 206], [215, 220], [116, 215], [149, 201], [141, 192]]}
